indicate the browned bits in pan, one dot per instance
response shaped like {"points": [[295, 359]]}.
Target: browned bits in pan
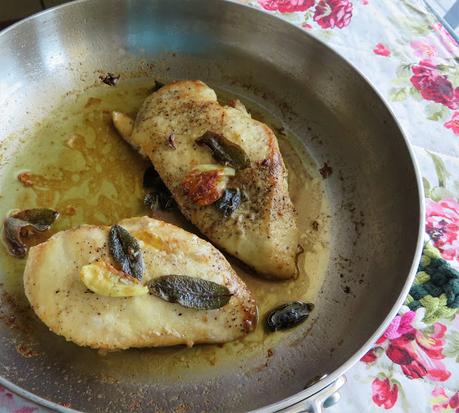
{"points": [[326, 170], [109, 79], [70, 210], [26, 179], [92, 102]]}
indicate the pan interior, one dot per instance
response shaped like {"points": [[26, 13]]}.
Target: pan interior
{"points": [[78, 165], [323, 112]]}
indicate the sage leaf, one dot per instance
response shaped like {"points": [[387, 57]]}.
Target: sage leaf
{"points": [[24, 223], [159, 197], [223, 150], [125, 251], [288, 315], [156, 200], [190, 292], [229, 201]]}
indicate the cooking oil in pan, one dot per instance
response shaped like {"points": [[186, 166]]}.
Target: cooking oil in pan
{"points": [[75, 162]]}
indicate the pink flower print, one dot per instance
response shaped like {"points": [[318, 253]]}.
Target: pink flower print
{"points": [[448, 42], [433, 85], [419, 353], [442, 225], [333, 13], [369, 357], [286, 6], [444, 403], [384, 393], [381, 50], [453, 123], [423, 49], [454, 401], [400, 325]]}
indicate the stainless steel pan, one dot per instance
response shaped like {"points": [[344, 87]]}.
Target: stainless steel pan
{"points": [[375, 190]]}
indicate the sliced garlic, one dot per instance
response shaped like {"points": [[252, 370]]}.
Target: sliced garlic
{"points": [[224, 170], [104, 280]]}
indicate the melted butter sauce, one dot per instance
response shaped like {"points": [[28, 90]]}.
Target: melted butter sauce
{"points": [[82, 168]]}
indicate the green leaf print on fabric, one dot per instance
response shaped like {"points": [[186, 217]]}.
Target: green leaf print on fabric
{"points": [[412, 7], [438, 193], [417, 28], [404, 71], [436, 309], [398, 94], [452, 346], [436, 112], [440, 169], [427, 187], [415, 94], [451, 70]]}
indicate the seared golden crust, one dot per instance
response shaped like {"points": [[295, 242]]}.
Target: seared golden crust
{"points": [[262, 232], [57, 295]]}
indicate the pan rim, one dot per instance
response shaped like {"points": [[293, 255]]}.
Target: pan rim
{"points": [[343, 368]]}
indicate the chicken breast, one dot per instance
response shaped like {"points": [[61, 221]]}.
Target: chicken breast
{"points": [[262, 230], [61, 300]]}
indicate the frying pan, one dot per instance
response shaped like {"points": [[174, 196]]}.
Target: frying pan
{"points": [[374, 191]]}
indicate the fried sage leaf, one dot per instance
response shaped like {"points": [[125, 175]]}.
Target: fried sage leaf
{"points": [[229, 201], [223, 150], [125, 251], [288, 315], [190, 292], [159, 196], [23, 223], [158, 200]]}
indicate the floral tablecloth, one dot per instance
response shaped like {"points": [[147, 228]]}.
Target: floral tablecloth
{"points": [[413, 61]]}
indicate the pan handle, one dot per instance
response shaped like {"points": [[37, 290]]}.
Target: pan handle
{"points": [[319, 401]]}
